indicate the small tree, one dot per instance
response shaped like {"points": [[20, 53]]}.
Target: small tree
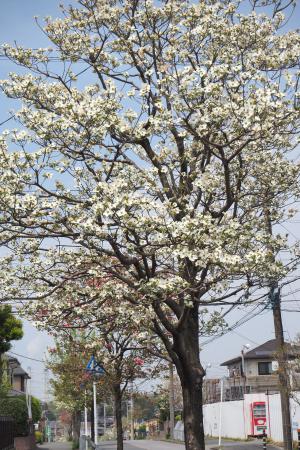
{"points": [[10, 330], [120, 355], [70, 381]]}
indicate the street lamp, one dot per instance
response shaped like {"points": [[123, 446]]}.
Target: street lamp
{"points": [[245, 346]]}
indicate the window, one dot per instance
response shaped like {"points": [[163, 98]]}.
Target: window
{"points": [[264, 368]]}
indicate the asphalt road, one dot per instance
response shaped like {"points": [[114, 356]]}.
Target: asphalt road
{"points": [[210, 444], [159, 445]]}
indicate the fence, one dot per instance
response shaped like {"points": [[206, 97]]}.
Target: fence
{"points": [[7, 428], [236, 417]]}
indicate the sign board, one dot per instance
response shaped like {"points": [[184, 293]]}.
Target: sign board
{"points": [[274, 366], [94, 367]]}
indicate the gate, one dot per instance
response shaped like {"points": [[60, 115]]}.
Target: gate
{"points": [[7, 426]]}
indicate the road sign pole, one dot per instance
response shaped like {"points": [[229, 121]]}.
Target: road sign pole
{"points": [[95, 412], [85, 421]]}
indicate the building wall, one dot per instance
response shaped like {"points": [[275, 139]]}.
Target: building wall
{"points": [[251, 368], [236, 416], [17, 383]]}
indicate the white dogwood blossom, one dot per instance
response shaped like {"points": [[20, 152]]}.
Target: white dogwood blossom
{"points": [[158, 174]]}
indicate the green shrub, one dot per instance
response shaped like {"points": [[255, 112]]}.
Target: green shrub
{"points": [[75, 444], [36, 409], [38, 437], [16, 407]]}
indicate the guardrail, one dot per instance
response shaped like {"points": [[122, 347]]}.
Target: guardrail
{"points": [[7, 433]]}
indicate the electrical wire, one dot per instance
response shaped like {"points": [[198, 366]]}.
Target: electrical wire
{"points": [[26, 357], [237, 324]]}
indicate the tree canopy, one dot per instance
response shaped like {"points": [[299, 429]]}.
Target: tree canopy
{"points": [[10, 328], [157, 173]]}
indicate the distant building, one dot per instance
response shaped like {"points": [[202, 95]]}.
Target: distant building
{"points": [[16, 376], [255, 371], [259, 376]]}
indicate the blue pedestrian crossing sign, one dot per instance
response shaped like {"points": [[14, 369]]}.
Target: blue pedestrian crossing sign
{"points": [[94, 367]]}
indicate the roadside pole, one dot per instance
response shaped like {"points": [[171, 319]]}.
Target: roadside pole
{"points": [[171, 400], [282, 367], [85, 421], [95, 412], [282, 357], [220, 413], [97, 370], [132, 415]]}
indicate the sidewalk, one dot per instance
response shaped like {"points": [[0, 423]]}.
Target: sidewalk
{"points": [[55, 446]]}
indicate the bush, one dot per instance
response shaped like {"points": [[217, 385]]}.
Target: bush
{"points": [[16, 407], [38, 437], [36, 409], [75, 444]]}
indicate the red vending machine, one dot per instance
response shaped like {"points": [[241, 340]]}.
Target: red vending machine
{"points": [[258, 418]]}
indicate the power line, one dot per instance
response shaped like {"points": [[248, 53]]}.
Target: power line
{"points": [[27, 357]]}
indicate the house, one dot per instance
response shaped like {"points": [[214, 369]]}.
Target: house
{"points": [[255, 371], [16, 376]]}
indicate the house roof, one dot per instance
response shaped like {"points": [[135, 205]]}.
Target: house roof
{"points": [[21, 372], [265, 351], [13, 362], [15, 366]]}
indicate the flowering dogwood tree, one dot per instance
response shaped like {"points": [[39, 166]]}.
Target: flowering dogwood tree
{"points": [[68, 367], [123, 359], [153, 148], [85, 309]]}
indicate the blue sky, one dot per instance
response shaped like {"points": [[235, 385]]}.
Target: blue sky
{"points": [[17, 24]]}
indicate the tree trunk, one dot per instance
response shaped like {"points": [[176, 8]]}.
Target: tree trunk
{"points": [[193, 416], [191, 373], [76, 421], [1, 369], [118, 415]]}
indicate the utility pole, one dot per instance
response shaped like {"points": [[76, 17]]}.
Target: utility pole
{"points": [[171, 400], [132, 414], [282, 358]]}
